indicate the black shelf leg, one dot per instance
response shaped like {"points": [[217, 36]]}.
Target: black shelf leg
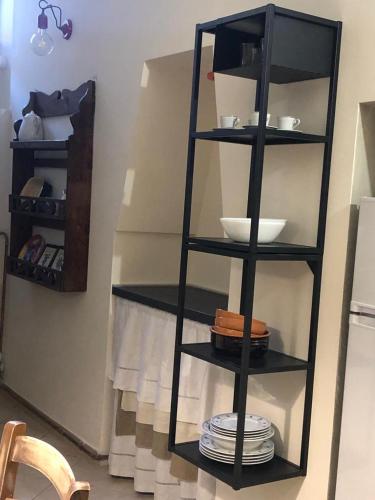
{"points": [[310, 373], [317, 267], [185, 238], [328, 147], [249, 269], [236, 392]]}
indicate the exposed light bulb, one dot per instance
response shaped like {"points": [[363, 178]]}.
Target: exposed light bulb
{"points": [[41, 42]]}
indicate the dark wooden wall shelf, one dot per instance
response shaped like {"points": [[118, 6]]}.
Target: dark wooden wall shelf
{"points": [[295, 47], [72, 216], [41, 145], [39, 275]]}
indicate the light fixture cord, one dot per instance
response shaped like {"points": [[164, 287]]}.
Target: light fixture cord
{"points": [[44, 5]]}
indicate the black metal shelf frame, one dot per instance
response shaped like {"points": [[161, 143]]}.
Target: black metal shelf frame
{"points": [[239, 476]]}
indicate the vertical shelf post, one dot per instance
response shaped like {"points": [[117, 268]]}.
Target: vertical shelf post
{"points": [[317, 266], [185, 235], [254, 199]]}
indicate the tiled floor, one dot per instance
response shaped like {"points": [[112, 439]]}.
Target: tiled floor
{"points": [[30, 484]]}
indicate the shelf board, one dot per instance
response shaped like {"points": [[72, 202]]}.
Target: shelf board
{"points": [[35, 207], [271, 362], [275, 470], [269, 251], [59, 225], [249, 136], [279, 74], [51, 163], [40, 145], [46, 277], [200, 304], [244, 21]]}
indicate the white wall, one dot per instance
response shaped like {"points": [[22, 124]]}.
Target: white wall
{"points": [[61, 341]]}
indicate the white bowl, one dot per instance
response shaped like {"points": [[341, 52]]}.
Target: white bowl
{"points": [[238, 229]]}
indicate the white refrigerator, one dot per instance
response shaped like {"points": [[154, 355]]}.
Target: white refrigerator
{"points": [[356, 466]]}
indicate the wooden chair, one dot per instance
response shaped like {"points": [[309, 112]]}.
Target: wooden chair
{"points": [[17, 448]]}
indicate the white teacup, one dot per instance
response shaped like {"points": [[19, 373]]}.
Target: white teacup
{"points": [[229, 121], [287, 122], [254, 119]]}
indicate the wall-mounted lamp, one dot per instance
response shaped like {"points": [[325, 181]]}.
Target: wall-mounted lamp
{"points": [[41, 42]]}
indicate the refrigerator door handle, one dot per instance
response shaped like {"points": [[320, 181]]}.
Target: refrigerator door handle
{"points": [[367, 322], [362, 315], [362, 309]]}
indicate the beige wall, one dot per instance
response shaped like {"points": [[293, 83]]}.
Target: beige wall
{"points": [[61, 341], [147, 244]]}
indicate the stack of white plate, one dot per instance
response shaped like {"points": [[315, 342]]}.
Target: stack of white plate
{"points": [[218, 440]]}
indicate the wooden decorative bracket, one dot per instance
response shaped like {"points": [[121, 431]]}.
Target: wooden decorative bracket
{"points": [[62, 103]]}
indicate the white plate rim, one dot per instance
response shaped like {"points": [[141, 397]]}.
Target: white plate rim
{"points": [[290, 130], [234, 434], [206, 429], [244, 462], [232, 454], [232, 416], [230, 458], [268, 445], [247, 434], [231, 462], [205, 451]]}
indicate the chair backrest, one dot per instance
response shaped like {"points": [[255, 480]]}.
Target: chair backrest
{"points": [[17, 448]]}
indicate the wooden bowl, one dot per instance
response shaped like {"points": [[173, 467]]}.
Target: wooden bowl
{"points": [[236, 333], [233, 321]]}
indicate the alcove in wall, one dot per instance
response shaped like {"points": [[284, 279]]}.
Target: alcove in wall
{"points": [[364, 159], [148, 239]]}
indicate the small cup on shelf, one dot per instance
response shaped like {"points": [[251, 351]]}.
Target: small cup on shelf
{"points": [[254, 119], [229, 121], [288, 123]]}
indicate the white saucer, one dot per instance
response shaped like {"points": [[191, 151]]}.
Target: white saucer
{"points": [[272, 127], [290, 130], [231, 456], [227, 128]]}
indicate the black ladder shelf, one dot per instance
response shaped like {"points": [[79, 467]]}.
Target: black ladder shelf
{"points": [[318, 42]]}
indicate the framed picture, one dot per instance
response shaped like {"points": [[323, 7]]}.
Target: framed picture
{"points": [[48, 256], [58, 262]]}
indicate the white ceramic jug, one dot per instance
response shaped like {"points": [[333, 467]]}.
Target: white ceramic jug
{"points": [[31, 128]]}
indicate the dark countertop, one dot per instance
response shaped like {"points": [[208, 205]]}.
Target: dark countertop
{"points": [[200, 304]]}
